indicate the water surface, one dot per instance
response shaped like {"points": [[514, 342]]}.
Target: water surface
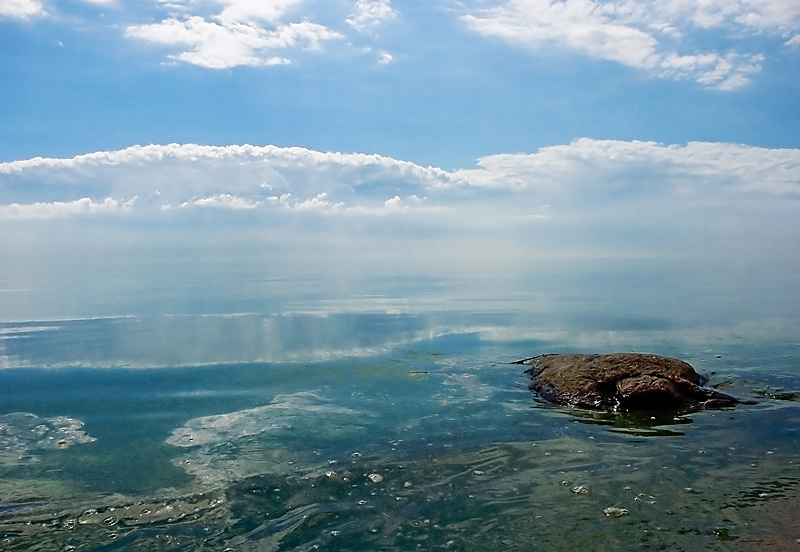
{"points": [[388, 421]]}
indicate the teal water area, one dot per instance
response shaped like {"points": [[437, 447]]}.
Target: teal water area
{"points": [[391, 431]]}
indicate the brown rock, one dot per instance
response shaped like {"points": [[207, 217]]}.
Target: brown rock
{"points": [[621, 382]]}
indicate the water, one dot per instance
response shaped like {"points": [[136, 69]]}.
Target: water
{"points": [[388, 420]]}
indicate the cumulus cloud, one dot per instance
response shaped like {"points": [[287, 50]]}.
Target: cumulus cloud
{"points": [[319, 202], [649, 36], [59, 209], [222, 200], [237, 177], [263, 177], [602, 195], [369, 14], [242, 33], [246, 11]]}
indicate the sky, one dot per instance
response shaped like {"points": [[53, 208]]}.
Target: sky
{"points": [[166, 139]]}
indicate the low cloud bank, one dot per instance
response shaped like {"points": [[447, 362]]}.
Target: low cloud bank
{"points": [[175, 222], [583, 189]]}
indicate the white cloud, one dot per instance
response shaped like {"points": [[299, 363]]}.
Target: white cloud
{"points": [[727, 212], [247, 11], [21, 9], [578, 24], [604, 165], [385, 58], [222, 200], [589, 197], [163, 177], [211, 45], [781, 16], [369, 14], [298, 179], [242, 32], [317, 203], [237, 35], [643, 35], [394, 203], [26, 9], [59, 209]]}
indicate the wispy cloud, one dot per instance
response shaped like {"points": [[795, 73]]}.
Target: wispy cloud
{"points": [[600, 166], [21, 9], [649, 36], [709, 42]]}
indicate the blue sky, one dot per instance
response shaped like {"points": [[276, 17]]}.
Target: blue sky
{"points": [[437, 83], [422, 135]]}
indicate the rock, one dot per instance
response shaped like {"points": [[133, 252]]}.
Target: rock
{"points": [[621, 382]]}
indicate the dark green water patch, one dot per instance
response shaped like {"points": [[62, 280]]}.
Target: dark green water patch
{"points": [[557, 494]]}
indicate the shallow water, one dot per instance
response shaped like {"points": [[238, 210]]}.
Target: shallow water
{"points": [[373, 424]]}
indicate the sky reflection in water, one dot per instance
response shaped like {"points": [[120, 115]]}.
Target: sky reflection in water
{"points": [[390, 418]]}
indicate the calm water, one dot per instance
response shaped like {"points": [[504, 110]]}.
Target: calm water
{"points": [[389, 420]]}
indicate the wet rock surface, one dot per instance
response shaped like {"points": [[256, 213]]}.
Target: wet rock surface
{"points": [[621, 382]]}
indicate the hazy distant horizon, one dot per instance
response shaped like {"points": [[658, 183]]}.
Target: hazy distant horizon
{"points": [[184, 157]]}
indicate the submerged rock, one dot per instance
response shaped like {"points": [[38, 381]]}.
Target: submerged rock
{"points": [[621, 382]]}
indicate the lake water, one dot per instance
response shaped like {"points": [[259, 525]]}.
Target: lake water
{"points": [[298, 414]]}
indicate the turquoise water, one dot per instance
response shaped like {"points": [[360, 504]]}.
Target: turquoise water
{"points": [[378, 423]]}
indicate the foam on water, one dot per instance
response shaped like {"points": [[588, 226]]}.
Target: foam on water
{"points": [[23, 434], [279, 414], [242, 443]]}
